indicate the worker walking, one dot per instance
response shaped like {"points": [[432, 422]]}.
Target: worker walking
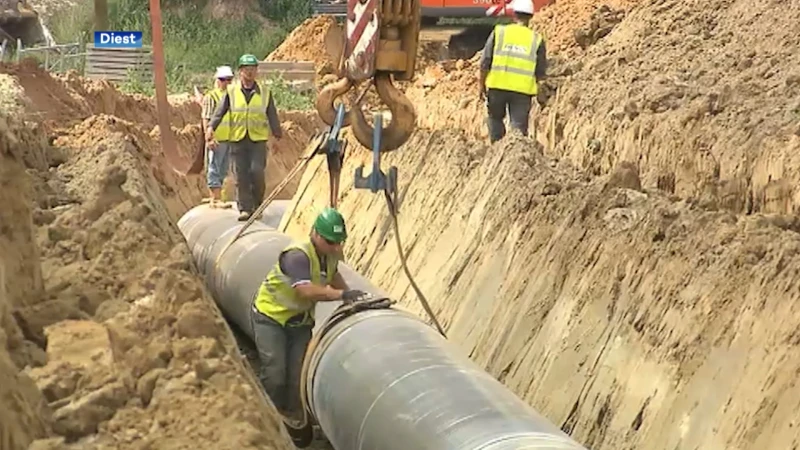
{"points": [[217, 158], [513, 59], [253, 119], [283, 310]]}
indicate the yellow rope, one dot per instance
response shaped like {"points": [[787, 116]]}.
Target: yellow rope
{"points": [[420, 296]]}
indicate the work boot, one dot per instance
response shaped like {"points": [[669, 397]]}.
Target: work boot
{"points": [[303, 436], [243, 216]]}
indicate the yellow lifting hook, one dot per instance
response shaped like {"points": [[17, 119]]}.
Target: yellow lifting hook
{"points": [[380, 43]]}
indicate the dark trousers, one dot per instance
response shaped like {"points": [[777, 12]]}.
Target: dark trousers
{"points": [[518, 106], [281, 351], [249, 160]]}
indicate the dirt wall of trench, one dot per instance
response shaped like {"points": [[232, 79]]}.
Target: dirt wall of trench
{"points": [[23, 410], [629, 319], [632, 272], [108, 338]]}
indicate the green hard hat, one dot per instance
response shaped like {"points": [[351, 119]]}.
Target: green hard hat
{"points": [[248, 60], [330, 225]]}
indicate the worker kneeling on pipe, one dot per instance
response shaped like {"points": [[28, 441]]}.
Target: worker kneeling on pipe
{"points": [[283, 311]]}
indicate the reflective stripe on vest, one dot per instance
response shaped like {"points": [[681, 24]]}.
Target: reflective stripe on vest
{"points": [[247, 119], [278, 300], [221, 134], [216, 94], [514, 59]]}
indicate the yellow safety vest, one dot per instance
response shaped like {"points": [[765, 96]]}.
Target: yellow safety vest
{"points": [[221, 134], [246, 118], [278, 300], [514, 59], [216, 94]]}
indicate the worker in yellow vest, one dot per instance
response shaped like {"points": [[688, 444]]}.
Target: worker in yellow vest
{"points": [[252, 121], [283, 311], [514, 58], [217, 158]]}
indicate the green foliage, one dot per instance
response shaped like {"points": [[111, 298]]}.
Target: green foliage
{"points": [[287, 13], [288, 98], [193, 44], [74, 24]]}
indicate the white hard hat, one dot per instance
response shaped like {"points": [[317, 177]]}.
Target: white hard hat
{"points": [[224, 72], [522, 6]]}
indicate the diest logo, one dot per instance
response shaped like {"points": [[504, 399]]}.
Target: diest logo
{"points": [[118, 39]]}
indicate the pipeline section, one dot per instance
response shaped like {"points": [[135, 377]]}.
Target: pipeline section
{"points": [[379, 379]]}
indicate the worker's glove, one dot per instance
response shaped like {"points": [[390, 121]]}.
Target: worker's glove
{"points": [[353, 295]]}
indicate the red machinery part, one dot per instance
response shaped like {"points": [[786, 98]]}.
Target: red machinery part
{"points": [[363, 30]]}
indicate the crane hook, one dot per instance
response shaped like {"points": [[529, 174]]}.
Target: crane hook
{"points": [[324, 104], [404, 117]]}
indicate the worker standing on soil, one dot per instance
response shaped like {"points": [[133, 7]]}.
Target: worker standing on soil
{"points": [[253, 119], [283, 310], [217, 158], [513, 59]]}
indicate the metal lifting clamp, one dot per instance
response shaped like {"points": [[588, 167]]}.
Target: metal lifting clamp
{"points": [[377, 180], [334, 149]]}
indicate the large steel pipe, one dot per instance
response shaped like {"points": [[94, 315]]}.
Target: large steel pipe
{"points": [[235, 278], [379, 379]]}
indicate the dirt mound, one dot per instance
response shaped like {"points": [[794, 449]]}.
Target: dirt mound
{"points": [[61, 101], [307, 43], [565, 23], [714, 118], [23, 410], [136, 351], [694, 119], [608, 308], [71, 106], [137, 355], [446, 92]]}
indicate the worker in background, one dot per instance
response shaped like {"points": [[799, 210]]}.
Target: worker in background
{"points": [[253, 119], [283, 311], [514, 59], [217, 158]]}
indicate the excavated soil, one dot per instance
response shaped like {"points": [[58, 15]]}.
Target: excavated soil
{"points": [[702, 98], [307, 43], [628, 318], [632, 271], [109, 338]]}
